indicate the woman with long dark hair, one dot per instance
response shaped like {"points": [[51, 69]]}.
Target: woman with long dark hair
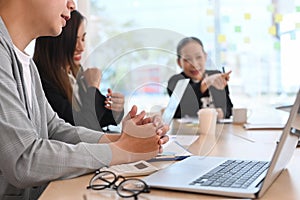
{"points": [[73, 92]]}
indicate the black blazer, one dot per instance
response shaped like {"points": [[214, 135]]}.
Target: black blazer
{"points": [[91, 114], [191, 100]]}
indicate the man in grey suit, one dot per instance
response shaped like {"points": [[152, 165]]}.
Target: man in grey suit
{"points": [[36, 146]]}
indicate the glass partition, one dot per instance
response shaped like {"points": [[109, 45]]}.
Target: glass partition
{"points": [[256, 39]]}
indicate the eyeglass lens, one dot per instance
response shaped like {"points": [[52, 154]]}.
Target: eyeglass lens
{"points": [[125, 187], [132, 187]]}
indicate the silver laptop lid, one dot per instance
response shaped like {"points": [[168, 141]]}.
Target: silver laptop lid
{"points": [[285, 147], [175, 100]]}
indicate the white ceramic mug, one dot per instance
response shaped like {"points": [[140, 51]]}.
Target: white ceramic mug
{"points": [[207, 120], [240, 115]]}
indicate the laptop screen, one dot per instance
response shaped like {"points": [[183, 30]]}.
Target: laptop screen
{"points": [[296, 121], [285, 147]]}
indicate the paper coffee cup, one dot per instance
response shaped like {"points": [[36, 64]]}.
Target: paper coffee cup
{"points": [[240, 115], [207, 120]]}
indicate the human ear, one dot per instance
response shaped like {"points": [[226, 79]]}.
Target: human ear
{"points": [[179, 63]]}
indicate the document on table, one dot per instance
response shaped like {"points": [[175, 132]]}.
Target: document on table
{"points": [[262, 126], [188, 120]]}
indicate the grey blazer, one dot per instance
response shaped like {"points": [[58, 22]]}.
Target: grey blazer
{"points": [[36, 146]]}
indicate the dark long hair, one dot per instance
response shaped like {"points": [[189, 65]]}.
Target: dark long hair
{"points": [[53, 54]]}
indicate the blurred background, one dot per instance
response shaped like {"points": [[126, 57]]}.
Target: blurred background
{"points": [[256, 39]]}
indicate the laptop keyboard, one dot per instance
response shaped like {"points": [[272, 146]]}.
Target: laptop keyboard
{"points": [[233, 173]]}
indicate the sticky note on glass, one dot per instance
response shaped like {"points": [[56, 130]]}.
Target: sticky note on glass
{"points": [[221, 38], [293, 36], [247, 16], [277, 45], [225, 19], [209, 12], [233, 47], [246, 40], [271, 8], [210, 29], [238, 29], [272, 30], [278, 18]]}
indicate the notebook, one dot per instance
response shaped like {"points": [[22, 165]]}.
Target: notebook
{"points": [[174, 101], [193, 173]]}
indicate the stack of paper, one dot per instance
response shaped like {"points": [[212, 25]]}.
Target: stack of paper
{"points": [[267, 126]]}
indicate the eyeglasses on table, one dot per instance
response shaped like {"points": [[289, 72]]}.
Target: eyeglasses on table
{"points": [[125, 187]]}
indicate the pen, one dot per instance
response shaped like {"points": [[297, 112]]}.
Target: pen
{"points": [[223, 69]]}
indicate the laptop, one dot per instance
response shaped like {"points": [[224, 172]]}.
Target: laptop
{"points": [[194, 173], [174, 101]]}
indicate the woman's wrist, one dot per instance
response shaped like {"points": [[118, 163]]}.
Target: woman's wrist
{"points": [[204, 85], [120, 154]]}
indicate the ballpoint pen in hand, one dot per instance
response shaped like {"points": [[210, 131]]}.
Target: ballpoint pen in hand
{"points": [[223, 71]]}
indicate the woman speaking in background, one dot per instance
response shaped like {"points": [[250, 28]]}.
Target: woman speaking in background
{"points": [[204, 84]]}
